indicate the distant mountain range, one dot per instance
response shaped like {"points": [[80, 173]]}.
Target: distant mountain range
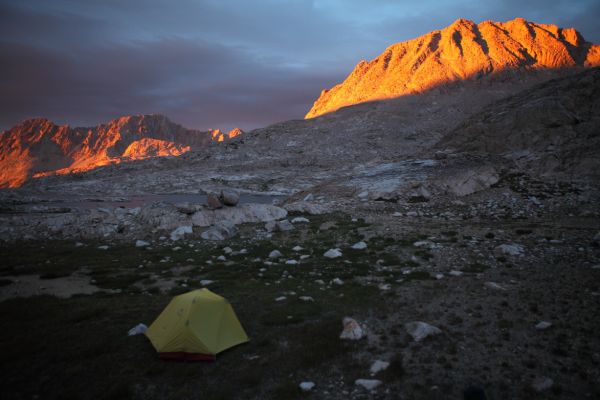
{"points": [[38, 147], [494, 52], [462, 51]]}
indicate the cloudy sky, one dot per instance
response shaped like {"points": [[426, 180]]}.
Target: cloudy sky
{"points": [[216, 63]]}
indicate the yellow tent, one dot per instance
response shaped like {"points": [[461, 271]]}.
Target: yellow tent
{"points": [[196, 326]]}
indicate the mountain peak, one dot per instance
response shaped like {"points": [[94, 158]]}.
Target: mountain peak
{"points": [[464, 50]]}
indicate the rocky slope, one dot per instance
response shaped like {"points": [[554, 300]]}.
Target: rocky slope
{"points": [[550, 130], [38, 147], [462, 51]]}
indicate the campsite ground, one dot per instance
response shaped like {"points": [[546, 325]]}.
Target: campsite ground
{"points": [[78, 347]]}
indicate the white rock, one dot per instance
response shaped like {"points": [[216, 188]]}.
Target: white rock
{"points": [[304, 256], [512, 249], [307, 386], [221, 258], [412, 214], [542, 384], [275, 254], [181, 232], [455, 273], [384, 286], [300, 220], [378, 366], [543, 325], [78, 244], [291, 262], [227, 250], [363, 195], [420, 330], [105, 247], [493, 286], [352, 329], [306, 298], [359, 246], [139, 329], [332, 253], [206, 282], [298, 248], [320, 282], [368, 384], [337, 281], [281, 298], [397, 214]]}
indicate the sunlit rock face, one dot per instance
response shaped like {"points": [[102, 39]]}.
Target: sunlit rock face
{"points": [[38, 147], [219, 136], [462, 51]]}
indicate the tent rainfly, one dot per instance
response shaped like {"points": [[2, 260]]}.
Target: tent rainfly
{"points": [[196, 326]]}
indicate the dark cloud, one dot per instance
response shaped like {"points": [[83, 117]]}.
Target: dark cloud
{"points": [[214, 63]]}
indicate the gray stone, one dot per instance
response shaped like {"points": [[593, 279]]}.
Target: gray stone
{"points": [[419, 330], [229, 197], [213, 201]]}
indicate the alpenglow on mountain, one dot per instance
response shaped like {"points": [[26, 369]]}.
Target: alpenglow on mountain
{"points": [[38, 147], [462, 51]]}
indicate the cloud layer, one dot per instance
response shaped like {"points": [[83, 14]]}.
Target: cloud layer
{"points": [[214, 63]]}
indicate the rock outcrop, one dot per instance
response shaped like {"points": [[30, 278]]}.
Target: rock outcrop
{"points": [[38, 147], [462, 51]]}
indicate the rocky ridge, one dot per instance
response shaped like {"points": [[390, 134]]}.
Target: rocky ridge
{"points": [[38, 147], [462, 51]]}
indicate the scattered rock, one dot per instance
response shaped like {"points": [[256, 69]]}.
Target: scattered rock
{"points": [[206, 282], [307, 386], [420, 330], [291, 262], [332, 253], [493, 286], [281, 298], [300, 220], [369, 384], [275, 254], [455, 273], [543, 325], [359, 246], [337, 281], [229, 198], [141, 243], [297, 248], [139, 329], [306, 298], [379, 366], [103, 247], [509, 250], [352, 329]]}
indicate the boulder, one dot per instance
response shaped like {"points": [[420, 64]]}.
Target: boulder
{"points": [[352, 329], [220, 231], [245, 213], [468, 180], [181, 232], [213, 201], [229, 197], [332, 253]]}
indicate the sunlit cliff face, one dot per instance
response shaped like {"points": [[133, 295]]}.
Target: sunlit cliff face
{"points": [[38, 147], [462, 51]]}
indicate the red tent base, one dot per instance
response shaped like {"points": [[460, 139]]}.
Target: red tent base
{"points": [[182, 356]]}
